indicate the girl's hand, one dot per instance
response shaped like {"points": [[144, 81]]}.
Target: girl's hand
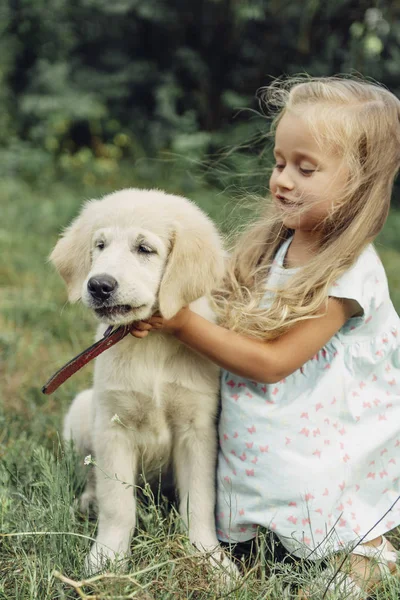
{"points": [[141, 329]]}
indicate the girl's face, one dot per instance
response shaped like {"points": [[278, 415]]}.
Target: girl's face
{"points": [[307, 180]]}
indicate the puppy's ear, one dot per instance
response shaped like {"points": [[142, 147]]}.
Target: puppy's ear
{"points": [[71, 254], [194, 267]]}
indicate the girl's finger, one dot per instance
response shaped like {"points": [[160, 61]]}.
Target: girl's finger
{"points": [[139, 333], [142, 325], [156, 320]]}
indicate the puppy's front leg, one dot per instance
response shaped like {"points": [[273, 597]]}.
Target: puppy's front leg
{"points": [[195, 464], [116, 460]]}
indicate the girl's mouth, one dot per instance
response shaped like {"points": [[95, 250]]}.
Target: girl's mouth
{"points": [[286, 202]]}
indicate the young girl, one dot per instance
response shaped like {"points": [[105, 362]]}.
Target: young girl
{"points": [[308, 339]]}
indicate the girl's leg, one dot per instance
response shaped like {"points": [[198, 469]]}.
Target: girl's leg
{"points": [[363, 570], [366, 572]]}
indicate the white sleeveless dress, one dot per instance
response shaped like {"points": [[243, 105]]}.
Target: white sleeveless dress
{"points": [[316, 457]]}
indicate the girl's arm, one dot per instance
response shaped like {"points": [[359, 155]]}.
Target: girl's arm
{"points": [[257, 360]]}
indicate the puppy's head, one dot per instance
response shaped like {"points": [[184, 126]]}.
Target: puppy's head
{"points": [[137, 251]]}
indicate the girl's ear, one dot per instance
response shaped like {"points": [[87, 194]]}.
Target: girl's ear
{"points": [[195, 265], [71, 254]]}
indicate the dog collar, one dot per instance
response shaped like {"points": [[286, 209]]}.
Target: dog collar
{"points": [[109, 338]]}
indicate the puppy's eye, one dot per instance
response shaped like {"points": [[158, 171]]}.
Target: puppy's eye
{"points": [[144, 249], [100, 245]]}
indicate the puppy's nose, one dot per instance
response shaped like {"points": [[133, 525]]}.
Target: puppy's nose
{"points": [[102, 286]]}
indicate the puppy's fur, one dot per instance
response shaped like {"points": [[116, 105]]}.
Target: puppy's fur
{"points": [[161, 253]]}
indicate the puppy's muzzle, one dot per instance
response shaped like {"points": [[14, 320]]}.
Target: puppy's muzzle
{"points": [[101, 287]]}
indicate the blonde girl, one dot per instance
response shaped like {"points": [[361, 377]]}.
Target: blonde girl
{"points": [[308, 340]]}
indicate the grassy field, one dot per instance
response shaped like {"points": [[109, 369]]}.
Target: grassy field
{"points": [[42, 553]]}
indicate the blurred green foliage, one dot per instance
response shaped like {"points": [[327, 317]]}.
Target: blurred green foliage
{"points": [[86, 83]]}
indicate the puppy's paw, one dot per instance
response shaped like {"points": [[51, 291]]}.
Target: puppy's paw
{"points": [[86, 501], [96, 560], [101, 558], [225, 570]]}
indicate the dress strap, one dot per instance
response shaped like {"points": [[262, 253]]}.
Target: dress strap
{"points": [[280, 255]]}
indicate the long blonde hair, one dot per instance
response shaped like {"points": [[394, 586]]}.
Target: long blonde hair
{"points": [[361, 121]]}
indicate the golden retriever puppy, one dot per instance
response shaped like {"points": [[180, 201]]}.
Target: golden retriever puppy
{"points": [[154, 401]]}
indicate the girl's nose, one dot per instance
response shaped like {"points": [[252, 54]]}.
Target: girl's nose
{"points": [[284, 180]]}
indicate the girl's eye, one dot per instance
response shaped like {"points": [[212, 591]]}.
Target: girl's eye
{"points": [[307, 171], [279, 167], [143, 249], [100, 245]]}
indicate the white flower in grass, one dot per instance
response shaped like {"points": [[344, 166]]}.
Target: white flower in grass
{"points": [[116, 419], [88, 460]]}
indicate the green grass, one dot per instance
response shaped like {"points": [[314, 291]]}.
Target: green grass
{"points": [[42, 553]]}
